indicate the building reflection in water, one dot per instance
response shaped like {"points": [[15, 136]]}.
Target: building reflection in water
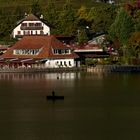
{"points": [[37, 76]]}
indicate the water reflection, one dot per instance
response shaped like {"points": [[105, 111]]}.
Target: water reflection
{"points": [[96, 106], [34, 76]]}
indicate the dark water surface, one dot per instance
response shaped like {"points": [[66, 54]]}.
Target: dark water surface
{"points": [[96, 107]]}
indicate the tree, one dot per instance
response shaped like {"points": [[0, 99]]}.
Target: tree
{"points": [[92, 14], [82, 36], [51, 16], [122, 29], [137, 20], [36, 8], [134, 45], [7, 23], [82, 17], [103, 18], [67, 20], [83, 21]]}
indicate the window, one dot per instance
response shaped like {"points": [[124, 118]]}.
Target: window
{"points": [[38, 24], [24, 24], [61, 51], [65, 63], [41, 32], [69, 63], [31, 24], [55, 51], [56, 63], [26, 51], [18, 32], [26, 32]]}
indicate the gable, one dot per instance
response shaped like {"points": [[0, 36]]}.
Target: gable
{"points": [[32, 18]]}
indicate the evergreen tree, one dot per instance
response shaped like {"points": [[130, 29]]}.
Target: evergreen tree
{"points": [[122, 29]]}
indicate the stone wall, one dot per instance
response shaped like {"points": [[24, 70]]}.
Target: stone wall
{"points": [[114, 68]]}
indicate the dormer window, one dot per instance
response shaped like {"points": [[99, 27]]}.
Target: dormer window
{"points": [[26, 51], [61, 51]]}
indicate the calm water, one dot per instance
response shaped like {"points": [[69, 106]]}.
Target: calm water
{"points": [[96, 107]]}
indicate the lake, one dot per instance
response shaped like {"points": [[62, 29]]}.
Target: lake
{"points": [[96, 106]]}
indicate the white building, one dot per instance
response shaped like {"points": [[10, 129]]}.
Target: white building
{"points": [[30, 25], [40, 51]]}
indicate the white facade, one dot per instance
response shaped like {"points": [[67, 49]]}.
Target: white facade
{"points": [[31, 29], [57, 63]]}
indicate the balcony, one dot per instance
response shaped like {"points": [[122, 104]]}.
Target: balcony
{"points": [[31, 28]]}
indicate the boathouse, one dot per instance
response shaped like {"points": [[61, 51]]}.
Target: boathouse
{"points": [[93, 51]]}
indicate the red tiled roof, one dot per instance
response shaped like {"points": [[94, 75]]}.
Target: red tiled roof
{"points": [[88, 47], [45, 43], [92, 46]]}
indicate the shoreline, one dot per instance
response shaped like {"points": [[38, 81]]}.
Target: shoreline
{"points": [[37, 70], [97, 68], [115, 68]]}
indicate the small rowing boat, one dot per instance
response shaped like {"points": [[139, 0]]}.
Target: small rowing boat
{"points": [[54, 97]]}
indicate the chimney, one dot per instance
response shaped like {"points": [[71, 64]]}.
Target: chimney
{"points": [[41, 17]]}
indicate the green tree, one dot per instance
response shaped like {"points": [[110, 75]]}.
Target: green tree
{"points": [[122, 29], [92, 14], [36, 8], [67, 19], [82, 36], [83, 21], [134, 45], [103, 18], [51, 16], [82, 17], [137, 20]]}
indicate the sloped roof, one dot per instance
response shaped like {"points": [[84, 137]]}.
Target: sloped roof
{"points": [[31, 17], [45, 43]]}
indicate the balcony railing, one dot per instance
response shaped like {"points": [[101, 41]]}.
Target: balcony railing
{"points": [[31, 28]]}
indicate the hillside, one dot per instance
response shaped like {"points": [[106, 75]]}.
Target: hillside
{"points": [[77, 3], [59, 3], [13, 11]]}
